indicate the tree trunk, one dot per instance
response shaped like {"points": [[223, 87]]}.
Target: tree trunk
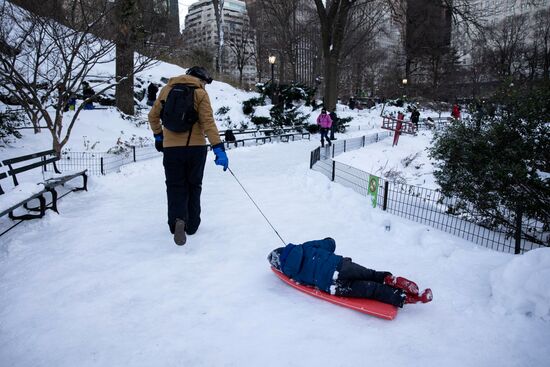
{"points": [[125, 78], [331, 82]]}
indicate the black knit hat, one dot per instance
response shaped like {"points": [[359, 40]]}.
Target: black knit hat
{"points": [[201, 73]]}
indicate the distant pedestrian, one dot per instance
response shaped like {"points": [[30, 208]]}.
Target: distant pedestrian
{"points": [[334, 126], [87, 94], [456, 112], [325, 123], [415, 117], [152, 91], [229, 136]]}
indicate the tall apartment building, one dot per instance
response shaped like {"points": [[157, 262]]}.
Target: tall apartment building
{"points": [[201, 32]]}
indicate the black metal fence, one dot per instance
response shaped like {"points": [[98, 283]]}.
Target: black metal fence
{"points": [[102, 163], [427, 206]]}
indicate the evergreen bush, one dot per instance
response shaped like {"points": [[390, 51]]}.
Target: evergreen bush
{"points": [[499, 160], [9, 122], [249, 104]]}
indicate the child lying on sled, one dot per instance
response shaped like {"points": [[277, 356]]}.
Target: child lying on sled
{"points": [[314, 263]]}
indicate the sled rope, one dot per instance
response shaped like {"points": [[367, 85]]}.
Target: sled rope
{"points": [[260, 210]]}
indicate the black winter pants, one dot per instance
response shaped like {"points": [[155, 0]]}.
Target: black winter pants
{"points": [[357, 281], [184, 169], [324, 135]]}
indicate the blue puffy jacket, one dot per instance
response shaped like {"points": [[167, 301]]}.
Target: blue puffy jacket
{"points": [[312, 263]]}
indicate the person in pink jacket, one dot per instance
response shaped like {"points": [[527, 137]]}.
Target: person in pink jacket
{"points": [[325, 122]]}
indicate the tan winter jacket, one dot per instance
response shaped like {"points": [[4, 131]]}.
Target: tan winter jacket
{"points": [[206, 124]]}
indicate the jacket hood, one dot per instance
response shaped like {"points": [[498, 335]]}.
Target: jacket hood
{"points": [[186, 79]]}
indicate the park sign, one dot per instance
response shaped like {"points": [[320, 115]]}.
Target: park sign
{"points": [[373, 189]]}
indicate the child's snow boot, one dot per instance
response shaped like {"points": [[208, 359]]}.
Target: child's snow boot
{"points": [[402, 283], [425, 297], [179, 233]]}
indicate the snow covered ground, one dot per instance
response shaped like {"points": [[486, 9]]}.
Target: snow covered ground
{"points": [[102, 284]]}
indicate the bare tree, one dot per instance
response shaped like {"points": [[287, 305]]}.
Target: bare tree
{"points": [[541, 39], [359, 51], [218, 13], [506, 41], [200, 55], [242, 46], [282, 19], [49, 61], [333, 18]]}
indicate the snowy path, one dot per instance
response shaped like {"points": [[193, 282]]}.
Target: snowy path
{"points": [[102, 284]]}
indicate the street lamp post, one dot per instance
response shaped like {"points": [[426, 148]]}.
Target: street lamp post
{"points": [[404, 82], [272, 60]]}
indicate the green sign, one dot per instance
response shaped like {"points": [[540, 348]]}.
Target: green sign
{"points": [[373, 189]]}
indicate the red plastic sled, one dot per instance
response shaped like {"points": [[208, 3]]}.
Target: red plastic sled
{"points": [[364, 305]]}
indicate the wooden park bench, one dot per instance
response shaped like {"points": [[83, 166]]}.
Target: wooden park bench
{"points": [[290, 136], [12, 200]]}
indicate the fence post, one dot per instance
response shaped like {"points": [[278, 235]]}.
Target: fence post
{"points": [[311, 159], [333, 170], [363, 141], [333, 146], [134, 151], [385, 202], [377, 138], [101, 169], [344, 146], [517, 235]]}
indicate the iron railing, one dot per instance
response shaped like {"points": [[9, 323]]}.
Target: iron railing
{"points": [[429, 206], [102, 163]]}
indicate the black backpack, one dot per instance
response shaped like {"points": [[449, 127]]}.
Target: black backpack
{"points": [[178, 112]]}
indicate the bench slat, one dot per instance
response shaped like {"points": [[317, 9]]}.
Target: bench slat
{"points": [[29, 156], [15, 171]]}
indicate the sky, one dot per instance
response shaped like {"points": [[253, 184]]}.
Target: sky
{"points": [[102, 283], [183, 5]]}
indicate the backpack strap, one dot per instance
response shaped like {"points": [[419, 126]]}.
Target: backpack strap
{"points": [[189, 136]]}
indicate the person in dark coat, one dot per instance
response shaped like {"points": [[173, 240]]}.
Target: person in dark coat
{"points": [[229, 136], [314, 263], [415, 117], [87, 92], [334, 126], [152, 91]]}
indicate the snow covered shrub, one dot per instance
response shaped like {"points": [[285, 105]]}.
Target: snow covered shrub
{"points": [[260, 120], [222, 110], [341, 124], [249, 104], [287, 117], [312, 129]]}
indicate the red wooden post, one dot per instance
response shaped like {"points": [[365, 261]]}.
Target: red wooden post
{"points": [[398, 126]]}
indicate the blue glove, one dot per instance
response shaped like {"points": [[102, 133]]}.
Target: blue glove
{"points": [[158, 142], [221, 157]]}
